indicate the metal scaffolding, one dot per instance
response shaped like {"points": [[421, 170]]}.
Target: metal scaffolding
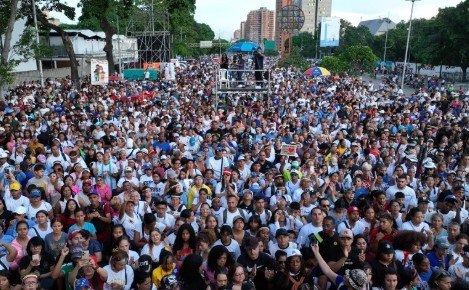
{"points": [[151, 29]]}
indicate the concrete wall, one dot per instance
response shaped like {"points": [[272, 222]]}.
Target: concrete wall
{"points": [[83, 70]]}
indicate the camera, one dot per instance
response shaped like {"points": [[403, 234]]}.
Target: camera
{"points": [[312, 240]]}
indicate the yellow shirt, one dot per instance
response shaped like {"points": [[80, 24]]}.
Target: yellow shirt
{"points": [[191, 194], [159, 273]]}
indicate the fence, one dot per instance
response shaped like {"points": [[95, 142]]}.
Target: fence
{"points": [[20, 77]]}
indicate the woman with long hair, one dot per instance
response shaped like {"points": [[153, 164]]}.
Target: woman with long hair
{"points": [[66, 194], [191, 273], [120, 274], [20, 243], [56, 240], [68, 216], [6, 281], [154, 246], [184, 244], [37, 260], [407, 244], [219, 258], [167, 267], [440, 280]]}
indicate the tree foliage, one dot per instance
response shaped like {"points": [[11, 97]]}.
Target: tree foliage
{"points": [[335, 64], [296, 59]]}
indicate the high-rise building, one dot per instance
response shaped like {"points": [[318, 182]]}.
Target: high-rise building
{"points": [[260, 25], [237, 34], [324, 9], [242, 29]]}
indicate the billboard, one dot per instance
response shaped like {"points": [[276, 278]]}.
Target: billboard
{"points": [[99, 72], [330, 31]]}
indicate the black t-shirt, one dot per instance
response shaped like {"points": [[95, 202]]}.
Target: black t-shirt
{"points": [[47, 261], [334, 254], [378, 269], [262, 263]]}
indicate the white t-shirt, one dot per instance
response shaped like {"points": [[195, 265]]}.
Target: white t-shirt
{"points": [[123, 277], [36, 231], [233, 248], [12, 204], [409, 226], [31, 212], [305, 231], [131, 224], [357, 229], [155, 252]]}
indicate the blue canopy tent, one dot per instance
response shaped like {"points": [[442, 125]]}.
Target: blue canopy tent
{"points": [[243, 46]]}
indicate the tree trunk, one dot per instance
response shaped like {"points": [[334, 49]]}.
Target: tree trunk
{"points": [[108, 48], [9, 32], [68, 47]]}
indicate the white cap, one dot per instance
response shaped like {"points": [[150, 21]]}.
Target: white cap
{"points": [[294, 252], [163, 157], [20, 210]]}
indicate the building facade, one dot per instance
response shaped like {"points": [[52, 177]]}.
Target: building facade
{"points": [[324, 9], [260, 25]]}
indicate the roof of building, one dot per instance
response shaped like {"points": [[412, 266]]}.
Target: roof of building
{"points": [[378, 26]]}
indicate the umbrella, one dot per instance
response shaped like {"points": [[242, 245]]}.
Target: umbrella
{"points": [[317, 71], [243, 46]]}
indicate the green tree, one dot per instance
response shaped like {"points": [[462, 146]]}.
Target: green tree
{"points": [[353, 36], [8, 15], [335, 64], [271, 52], [104, 15], [305, 41], [296, 59], [360, 58]]}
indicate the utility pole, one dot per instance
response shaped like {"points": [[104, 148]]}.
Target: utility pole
{"points": [[318, 34], [41, 72], [407, 45]]}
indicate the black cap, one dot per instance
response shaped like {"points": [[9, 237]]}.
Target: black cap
{"points": [[385, 247], [423, 199]]}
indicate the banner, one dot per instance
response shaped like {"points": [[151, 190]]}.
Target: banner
{"points": [[99, 72], [330, 31], [288, 150]]}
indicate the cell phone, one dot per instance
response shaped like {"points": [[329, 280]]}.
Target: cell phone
{"points": [[37, 257], [7, 170], [312, 240], [85, 255], [278, 192]]}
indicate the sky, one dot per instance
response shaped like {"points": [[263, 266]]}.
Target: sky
{"points": [[225, 16]]}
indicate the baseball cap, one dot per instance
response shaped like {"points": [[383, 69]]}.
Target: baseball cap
{"points": [[346, 233], [255, 187], [295, 164], [352, 209], [227, 172], [87, 181], [163, 157], [251, 243], [93, 192], [171, 173], [238, 217], [450, 198], [76, 251], [423, 199], [128, 169], [147, 167], [442, 243], [15, 186], [385, 247], [72, 234], [294, 252], [20, 210], [294, 171], [281, 232], [80, 283], [35, 193], [241, 157]]}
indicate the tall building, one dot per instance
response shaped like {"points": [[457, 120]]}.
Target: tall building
{"points": [[237, 35], [242, 29], [260, 25], [324, 9]]}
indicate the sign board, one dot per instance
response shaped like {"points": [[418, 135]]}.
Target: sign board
{"points": [[206, 44], [330, 31], [99, 72], [288, 150]]}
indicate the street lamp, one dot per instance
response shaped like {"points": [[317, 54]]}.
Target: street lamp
{"points": [[407, 45], [387, 20]]}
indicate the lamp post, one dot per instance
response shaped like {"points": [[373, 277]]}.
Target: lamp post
{"points": [[386, 39], [407, 45]]}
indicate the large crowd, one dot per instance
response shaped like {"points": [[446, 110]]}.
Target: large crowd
{"points": [[328, 182]]}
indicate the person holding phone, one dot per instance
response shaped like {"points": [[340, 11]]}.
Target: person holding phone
{"points": [[38, 261]]}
